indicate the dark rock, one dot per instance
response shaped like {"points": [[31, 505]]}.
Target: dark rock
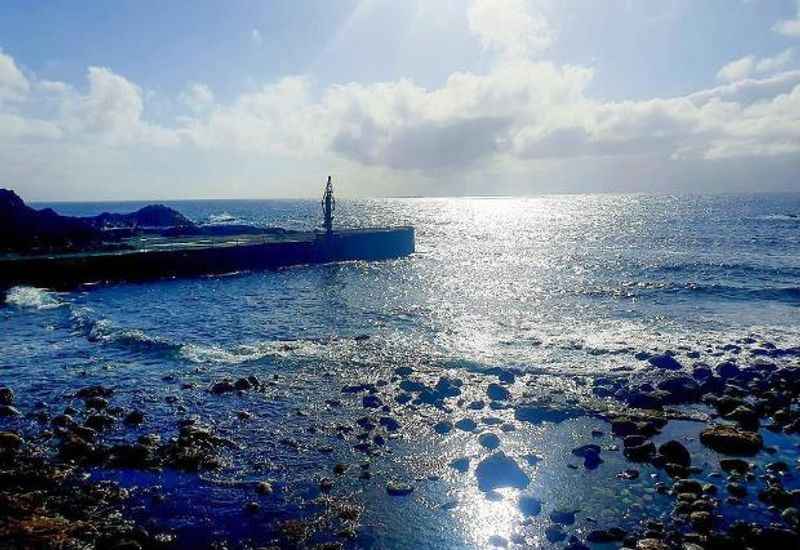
{"points": [[555, 533], [243, 384], [134, 417], [665, 362], [225, 386], [497, 392], [731, 440], [100, 422], [645, 400], [701, 372], [640, 453], [6, 396], [94, 391], [460, 464], [96, 403], [681, 389], [396, 488], [371, 402], [727, 370], [736, 465], [9, 411], [389, 423], [498, 471], [10, 441], [604, 536], [675, 453]]}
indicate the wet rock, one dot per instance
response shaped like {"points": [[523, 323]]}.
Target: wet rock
{"points": [[94, 391], [403, 371], [96, 403], [371, 402], [745, 416], [701, 372], [640, 453], [497, 392], [100, 422], [489, 440], [645, 400], [665, 361], [225, 386], [731, 440], [700, 520], [136, 456], [466, 424], [325, 485], [134, 418], [604, 536], [727, 370], [630, 474], [476, 405], [10, 441], [737, 489], [736, 465], [681, 389], [675, 453], [460, 464], [6, 396], [9, 411], [530, 506], [563, 517], [243, 384], [396, 488], [498, 471], [776, 496], [196, 448], [412, 386], [389, 423], [443, 427]]}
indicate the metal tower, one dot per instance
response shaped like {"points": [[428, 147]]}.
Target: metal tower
{"points": [[328, 206]]}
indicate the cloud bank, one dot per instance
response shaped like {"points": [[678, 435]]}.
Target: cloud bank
{"points": [[522, 110]]}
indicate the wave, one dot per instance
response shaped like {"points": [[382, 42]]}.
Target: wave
{"points": [[104, 331], [28, 297], [778, 217], [223, 218], [789, 294]]}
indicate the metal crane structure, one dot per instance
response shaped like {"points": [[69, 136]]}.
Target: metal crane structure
{"points": [[328, 206]]}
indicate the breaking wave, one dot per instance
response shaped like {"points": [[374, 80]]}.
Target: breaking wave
{"points": [[28, 297]]}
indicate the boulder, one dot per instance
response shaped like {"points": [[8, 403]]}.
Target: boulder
{"points": [[674, 452], [732, 440], [665, 361]]}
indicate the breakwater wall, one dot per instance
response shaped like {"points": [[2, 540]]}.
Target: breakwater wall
{"points": [[184, 260]]}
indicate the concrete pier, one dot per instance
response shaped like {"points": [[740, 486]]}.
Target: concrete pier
{"points": [[161, 257]]}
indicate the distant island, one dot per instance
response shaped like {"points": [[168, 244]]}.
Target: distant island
{"points": [[25, 230]]}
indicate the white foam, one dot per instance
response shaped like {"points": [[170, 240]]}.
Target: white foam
{"points": [[197, 353], [28, 297], [224, 217]]}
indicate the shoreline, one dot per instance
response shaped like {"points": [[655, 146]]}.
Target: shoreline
{"points": [[616, 420]]}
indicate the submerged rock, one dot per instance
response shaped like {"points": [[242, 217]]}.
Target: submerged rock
{"points": [[6, 396], [489, 440], [396, 488], [530, 506], [496, 392], [460, 464], [563, 517], [674, 452], [731, 440], [498, 471]]}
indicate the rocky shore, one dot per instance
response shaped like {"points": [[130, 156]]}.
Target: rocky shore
{"points": [[730, 402]]}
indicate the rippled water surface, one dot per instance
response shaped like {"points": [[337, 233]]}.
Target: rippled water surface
{"points": [[560, 285]]}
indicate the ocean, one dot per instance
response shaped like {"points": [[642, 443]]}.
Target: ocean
{"points": [[562, 287]]}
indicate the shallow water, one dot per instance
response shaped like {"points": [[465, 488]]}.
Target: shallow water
{"points": [[560, 285]]}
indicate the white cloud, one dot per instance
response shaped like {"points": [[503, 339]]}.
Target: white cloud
{"points": [[509, 27], [789, 27], [198, 97], [747, 66], [738, 69], [13, 84]]}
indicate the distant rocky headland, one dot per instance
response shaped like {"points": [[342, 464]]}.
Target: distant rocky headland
{"points": [[26, 230]]}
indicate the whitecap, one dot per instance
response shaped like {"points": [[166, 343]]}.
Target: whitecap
{"points": [[28, 297]]}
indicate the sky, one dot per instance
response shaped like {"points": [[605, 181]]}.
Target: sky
{"points": [[146, 99]]}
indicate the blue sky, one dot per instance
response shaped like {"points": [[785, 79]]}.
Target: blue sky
{"points": [[145, 99]]}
